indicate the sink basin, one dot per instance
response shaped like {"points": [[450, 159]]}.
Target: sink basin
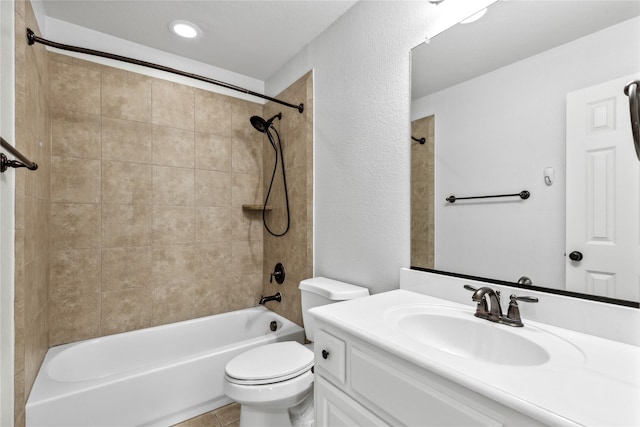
{"points": [[458, 332]]}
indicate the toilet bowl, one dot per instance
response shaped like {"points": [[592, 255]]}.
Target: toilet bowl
{"points": [[270, 380], [274, 383]]}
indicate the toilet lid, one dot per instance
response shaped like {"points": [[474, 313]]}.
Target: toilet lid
{"points": [[270, 363]]}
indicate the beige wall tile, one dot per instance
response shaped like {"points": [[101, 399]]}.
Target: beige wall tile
{"points": [[75, 226], [213, 152], [126, 95], [19, 397], [245, 189], [173, 302], [161, 235], [35, 291], [125, 310], [172, 264], [246, 225], [126, 225], [32, 238], [247, 154], [207, 294], [241, 126], [244, 291], [173, 186], [77, 181], [246, 257], [74, 88], [211, 260], [75, 134], [213, 224], [126, 183], [126, 141], [125, 268], [173, 147], [172, 105], [36, 347], [74, 272], [74, 318], [212, 188], [213, 116], [173, 224], [295, 250]]}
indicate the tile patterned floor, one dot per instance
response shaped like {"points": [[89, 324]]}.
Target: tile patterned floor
{"points": [[226, 416]]}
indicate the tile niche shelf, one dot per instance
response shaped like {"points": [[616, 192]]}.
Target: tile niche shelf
{"points": [[255, 207]]}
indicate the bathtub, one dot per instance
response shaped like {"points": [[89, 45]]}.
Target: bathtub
{"points": [[150, 377]]}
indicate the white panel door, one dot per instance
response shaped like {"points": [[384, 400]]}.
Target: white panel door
{"points": [[603, 194]]}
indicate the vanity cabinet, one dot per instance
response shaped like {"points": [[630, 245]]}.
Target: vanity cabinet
{"points": [[357, 383]]}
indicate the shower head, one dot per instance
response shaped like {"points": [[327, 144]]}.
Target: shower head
{"points": [[263, 125]]}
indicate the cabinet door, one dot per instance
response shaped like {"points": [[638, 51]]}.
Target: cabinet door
{"points": [[333, 408]]}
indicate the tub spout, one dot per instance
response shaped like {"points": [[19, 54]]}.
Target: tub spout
{"points": [[276, 297]]}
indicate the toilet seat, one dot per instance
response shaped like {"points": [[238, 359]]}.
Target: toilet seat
{"points": [[269, 364]]}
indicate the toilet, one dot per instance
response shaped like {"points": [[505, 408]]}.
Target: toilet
{"points": [[273, 383]]}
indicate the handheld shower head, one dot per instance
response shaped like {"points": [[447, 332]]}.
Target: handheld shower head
{"points": [[262, 125]]}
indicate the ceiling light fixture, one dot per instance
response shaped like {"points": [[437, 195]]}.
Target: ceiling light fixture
{"points": [[185, 29]]}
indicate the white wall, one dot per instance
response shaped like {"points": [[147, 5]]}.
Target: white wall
{"points": [[486, 146], [361, 70], [361, 160], [7, 212]]}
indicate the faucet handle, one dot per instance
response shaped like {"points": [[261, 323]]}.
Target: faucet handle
{"points": [[523, 298], [513, 314], [482, 306]]}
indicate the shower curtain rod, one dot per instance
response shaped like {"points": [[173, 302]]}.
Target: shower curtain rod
{"points": [[32, 38]]}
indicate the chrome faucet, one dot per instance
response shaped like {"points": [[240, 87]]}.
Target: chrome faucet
{"points": [[493, 310], [276, 297]]}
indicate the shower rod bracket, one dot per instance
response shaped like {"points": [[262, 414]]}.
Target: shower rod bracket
{"points": [[22, 161], [5, 164], [32, 39]]}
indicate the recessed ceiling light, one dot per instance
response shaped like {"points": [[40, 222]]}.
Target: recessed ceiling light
{"points": [[185, 29]]}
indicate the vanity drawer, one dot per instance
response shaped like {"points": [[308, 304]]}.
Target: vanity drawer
{"points": [[330, 356], [409, 399]]}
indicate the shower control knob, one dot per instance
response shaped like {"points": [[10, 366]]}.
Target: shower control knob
{"points": [[325, 354], [575, 256], [278, 274]]}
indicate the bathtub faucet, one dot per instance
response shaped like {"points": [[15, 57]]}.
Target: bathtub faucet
{"points": [[276, 297]]}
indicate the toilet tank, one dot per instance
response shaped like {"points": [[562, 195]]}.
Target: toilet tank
{"points": [[319, 291]]}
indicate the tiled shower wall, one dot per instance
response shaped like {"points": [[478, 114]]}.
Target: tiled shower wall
{"points": [[134, 217], [148, 179], [32, 209], [422, 193], [295, 249]]}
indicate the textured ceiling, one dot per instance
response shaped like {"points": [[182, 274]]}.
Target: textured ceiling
{"points": [[252, 38]]}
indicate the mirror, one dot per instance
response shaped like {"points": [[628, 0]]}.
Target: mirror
{"points": [[493, 100]]}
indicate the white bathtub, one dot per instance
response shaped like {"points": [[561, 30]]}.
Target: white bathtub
{"points": [[151, 377]]}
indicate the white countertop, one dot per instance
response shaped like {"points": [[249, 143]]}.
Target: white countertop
{"points": [[587, 381]]}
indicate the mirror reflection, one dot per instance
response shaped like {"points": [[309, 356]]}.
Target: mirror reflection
{"points": [[530, 98]]}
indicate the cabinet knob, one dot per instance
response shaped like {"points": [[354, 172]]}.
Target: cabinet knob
{"points": [[325, 354]]}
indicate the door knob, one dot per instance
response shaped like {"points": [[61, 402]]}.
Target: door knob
{"points": [[575, 256]]}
